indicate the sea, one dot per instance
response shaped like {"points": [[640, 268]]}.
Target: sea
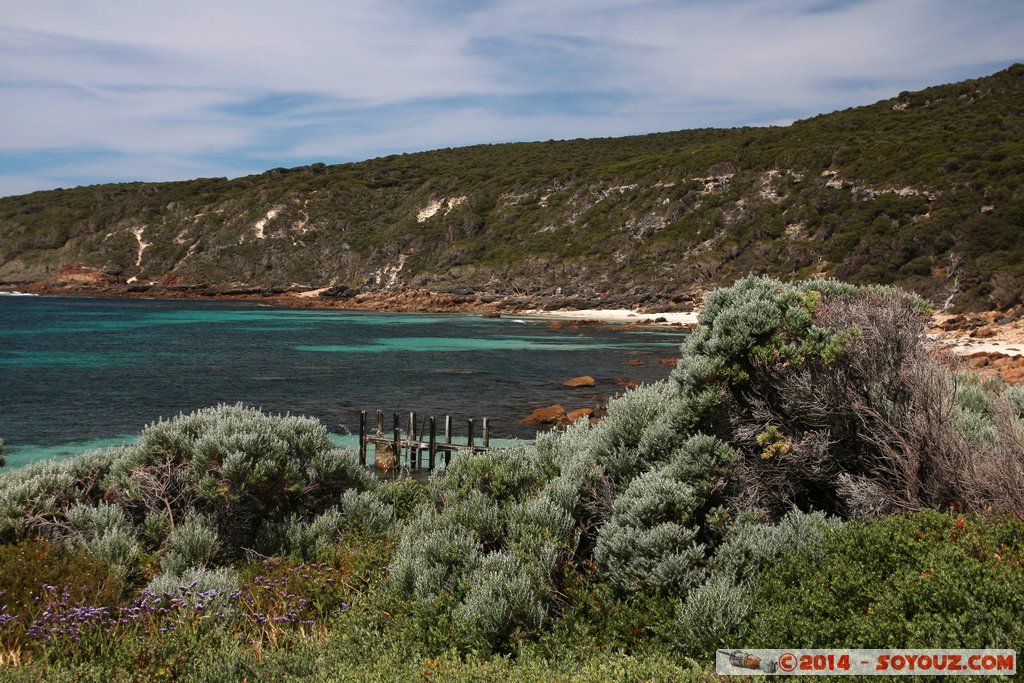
{"points": [[78, 374]]}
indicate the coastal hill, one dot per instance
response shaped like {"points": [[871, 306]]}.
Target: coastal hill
{"points": [[923, 190]]}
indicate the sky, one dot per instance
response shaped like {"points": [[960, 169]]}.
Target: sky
{"points": [[123, 90]]}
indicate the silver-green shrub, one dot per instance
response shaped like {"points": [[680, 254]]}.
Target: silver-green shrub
{"points": [[637, 433], [192, 543], [93, 520], [716, 613], [503, 474], [357, 511], [238, 468], [490, 547], [211, 588], [103, 531], [987, 414], [33, 497], [750, 546], [117, 546], [1014, 396], [650, 542], [435, 557], [506, 593]]}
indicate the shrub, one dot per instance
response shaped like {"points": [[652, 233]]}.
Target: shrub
{"points": [[835, 401], [33, 496], [636, 434], [404, 495], [1015, 397], [488, 552], [193, 543], [357, 512], [434, 556], [105, 532], [507, 594], [197, 585], [650, 541], [717, 613], [928, 579], [238, 468], [245, 468], [507, 474]]}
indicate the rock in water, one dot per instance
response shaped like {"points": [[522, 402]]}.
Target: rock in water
{"points": [[550, 415], [577, 414]]}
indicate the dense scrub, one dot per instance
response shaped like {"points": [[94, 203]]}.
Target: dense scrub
{"points": [[817, 397], [839, 403], [813, 473], [898, 581]]}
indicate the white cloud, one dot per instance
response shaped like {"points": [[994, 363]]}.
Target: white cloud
{"points": [[125, 90]]}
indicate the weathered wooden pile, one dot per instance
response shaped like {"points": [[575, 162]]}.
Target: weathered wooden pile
{"points": [[415, 448]]}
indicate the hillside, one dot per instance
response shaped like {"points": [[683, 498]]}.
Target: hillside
{"points": [[922, 190]]}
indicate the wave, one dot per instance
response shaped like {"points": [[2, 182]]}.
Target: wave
{"points": [[16, 294]]}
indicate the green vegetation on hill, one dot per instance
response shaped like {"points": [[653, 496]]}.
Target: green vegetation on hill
{"points": [[921, 190], [810, 475]]}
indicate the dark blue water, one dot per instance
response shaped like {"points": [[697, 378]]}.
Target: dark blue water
{"points": [[79, 372]]}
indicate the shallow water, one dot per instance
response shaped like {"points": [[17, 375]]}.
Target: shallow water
{"points": [[80, 373]]}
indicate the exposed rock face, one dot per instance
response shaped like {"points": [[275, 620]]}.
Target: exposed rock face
{"points": [[547, 416], [1009, 368], [73, 278], [583, 381]]}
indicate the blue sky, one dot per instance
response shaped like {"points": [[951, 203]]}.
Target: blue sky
{"points": [[119, 90]]}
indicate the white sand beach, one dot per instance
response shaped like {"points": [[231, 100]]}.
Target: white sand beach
{"points": [[965, 346], [618, 315]]}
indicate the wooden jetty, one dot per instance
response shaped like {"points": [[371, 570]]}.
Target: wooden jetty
{"points": [[393, 451]]}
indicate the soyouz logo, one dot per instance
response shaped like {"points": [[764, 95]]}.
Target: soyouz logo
{"points": [[838, 662]]}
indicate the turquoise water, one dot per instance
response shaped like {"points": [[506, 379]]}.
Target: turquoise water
{"points": [[79, 373]]}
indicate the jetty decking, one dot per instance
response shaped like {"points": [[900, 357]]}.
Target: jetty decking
{"points": [[395, 451]]}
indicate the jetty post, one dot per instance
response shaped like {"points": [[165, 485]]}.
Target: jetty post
{"points": [[398, 442], [433, 443], [362, 437], [413, 459]]}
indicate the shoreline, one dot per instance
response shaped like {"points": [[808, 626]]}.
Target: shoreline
{"points": [[968, 335], [87, 283]]}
